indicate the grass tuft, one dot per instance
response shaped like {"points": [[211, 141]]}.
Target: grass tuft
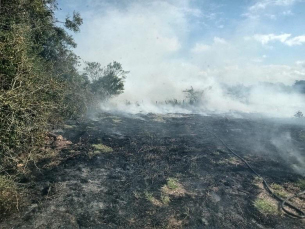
{"points": [[149, 196], [165, 199], [279, 190], [8, 196], [265, 207], [99, 149], [172, 183], [102, 148]]}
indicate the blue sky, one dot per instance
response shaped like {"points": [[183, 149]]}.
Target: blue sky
{"points": [[193, 42], [225, 19]]}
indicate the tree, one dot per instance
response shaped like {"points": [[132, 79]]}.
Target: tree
{"points": [[106, 82], [93, 70]]}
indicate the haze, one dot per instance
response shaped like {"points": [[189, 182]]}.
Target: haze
{"points": [[171, 45]]}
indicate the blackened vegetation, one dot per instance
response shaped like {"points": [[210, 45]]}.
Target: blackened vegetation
{"points": [[164, 172]]}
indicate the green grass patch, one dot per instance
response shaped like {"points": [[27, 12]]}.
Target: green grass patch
{"points": [[279, 190], [266, 207], [149, 196], [276, 187], [165, 199], [172, 183], [102, 148]]}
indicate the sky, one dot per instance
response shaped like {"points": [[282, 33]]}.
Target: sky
{"points": [[171, 45]]}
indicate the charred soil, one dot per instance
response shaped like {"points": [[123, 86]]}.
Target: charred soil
{"points": [[165, 171]]}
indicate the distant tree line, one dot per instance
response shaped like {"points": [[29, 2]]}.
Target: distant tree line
{"points": [[40, 84]]}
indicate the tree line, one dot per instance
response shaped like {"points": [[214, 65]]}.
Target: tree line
{"points": [[40, 82]]}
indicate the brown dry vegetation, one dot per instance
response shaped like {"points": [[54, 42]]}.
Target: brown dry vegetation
{"points": [[40, 85]]}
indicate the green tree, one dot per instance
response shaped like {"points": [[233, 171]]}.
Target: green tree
{"points": [[106, 82]]}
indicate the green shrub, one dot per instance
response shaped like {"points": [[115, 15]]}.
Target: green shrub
{"points": [[38, 75]]}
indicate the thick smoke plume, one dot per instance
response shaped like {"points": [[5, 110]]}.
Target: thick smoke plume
{"points": [[154, 41]]}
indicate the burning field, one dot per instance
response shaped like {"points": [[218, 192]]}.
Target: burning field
{"points": [[168, 171]]}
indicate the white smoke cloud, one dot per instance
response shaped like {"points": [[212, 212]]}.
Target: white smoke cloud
{"points": [[151, 39]]}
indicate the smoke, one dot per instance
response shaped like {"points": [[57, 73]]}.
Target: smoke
{"points": [[169, 46], [289, 152]]}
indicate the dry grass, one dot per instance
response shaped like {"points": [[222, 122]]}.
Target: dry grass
{"points": [[174, 223], [173, 188], [279, 190], [9, 197], [230, 161], [172, 183], [265, 206], [149, 196], [264, 203], [102, 148], [99, 149], [165, 199]]}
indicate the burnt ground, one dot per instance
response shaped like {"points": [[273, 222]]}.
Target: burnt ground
{"points": [[129, 186]]}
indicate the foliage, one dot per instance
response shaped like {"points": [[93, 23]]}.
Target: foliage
{"points": [[8, 196], [106, 82], [39, 81], [40, 85], [93, 71]]}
